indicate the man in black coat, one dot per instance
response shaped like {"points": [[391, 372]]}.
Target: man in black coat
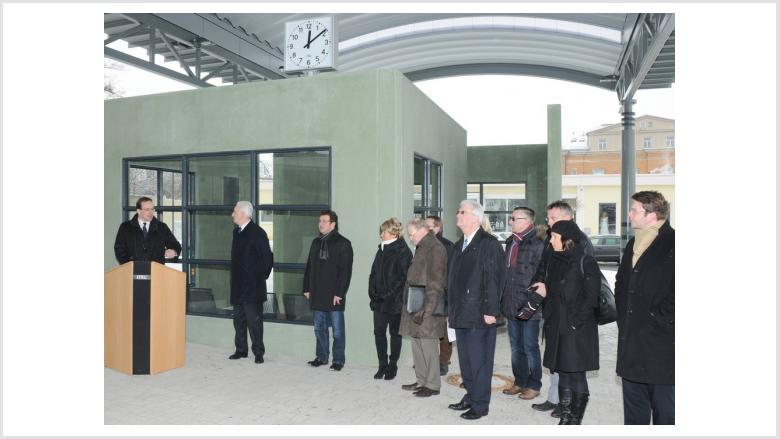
{"points": [[144, 238], [325, 284], [475, 281], [445, 345], [523, 254], [556, 211], [251, 262], [644, 296]]}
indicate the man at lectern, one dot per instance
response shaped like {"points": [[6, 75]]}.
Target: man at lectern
{"points": [[144, 237], [251, 261]]}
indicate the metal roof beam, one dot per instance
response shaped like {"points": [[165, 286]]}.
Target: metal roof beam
{"points": [[509, 69], [216, 40], [648, 39], [154, 68]]}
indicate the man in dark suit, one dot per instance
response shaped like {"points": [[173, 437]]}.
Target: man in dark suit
{"points": [[445, 345], [325, 284], [144, 238], [251, 262], [475, 281], [644, 297]]}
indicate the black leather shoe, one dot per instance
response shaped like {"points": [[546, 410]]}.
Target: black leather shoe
{"points": [[380, 373], [336, 367], [462, 405], [316, 363], [259, 359], [443, 369], [390, 372], [238, 355], [413, 386], [471, 415], [544, 407], [556, 413]]}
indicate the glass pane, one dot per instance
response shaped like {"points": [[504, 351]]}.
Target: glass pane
{"points": [[141, 183], [286, 287], [209, 289], [500, 196], [290, 233], [607, 224], [434, 186], [219, 180], [173, 221], [472, 192], [142, 178], [293, 177], [211, 235], [499, 222], [419, 172], [171, 189]]}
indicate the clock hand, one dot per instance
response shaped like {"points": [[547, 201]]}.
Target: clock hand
{"points": [[318, 35], [308, 40]]}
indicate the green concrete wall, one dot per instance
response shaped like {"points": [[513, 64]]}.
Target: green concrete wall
{"points": [[373, 121], [512, 163]]}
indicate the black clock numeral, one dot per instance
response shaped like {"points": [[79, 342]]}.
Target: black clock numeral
{"points": [[326, 42], [323, 52], [300, 59], [295, 37], [317, 58], [290, 46], [294, 55], [308, 25], [308, 62]]}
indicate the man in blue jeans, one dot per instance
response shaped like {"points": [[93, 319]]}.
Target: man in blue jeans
{"points": [[325, 285], [523, 254]]}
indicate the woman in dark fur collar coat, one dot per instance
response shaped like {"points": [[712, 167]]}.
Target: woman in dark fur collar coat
{"points": [[385, 291], [571, 290]]}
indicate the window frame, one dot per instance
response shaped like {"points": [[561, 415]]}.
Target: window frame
{"points": [[424, 209], [482, 196], [186, 208]]}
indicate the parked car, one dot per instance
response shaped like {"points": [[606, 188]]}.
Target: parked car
{"points": [[502, 236], [606, 248]]}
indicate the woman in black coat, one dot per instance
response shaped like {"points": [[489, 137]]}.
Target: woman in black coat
{"points": [[571, 289], [385, 290]]}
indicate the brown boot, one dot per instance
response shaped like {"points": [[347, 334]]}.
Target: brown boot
{"points": [[529, 394], [514, 390]]}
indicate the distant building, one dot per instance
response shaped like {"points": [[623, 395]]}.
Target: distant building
{"points": [[591, 175]]}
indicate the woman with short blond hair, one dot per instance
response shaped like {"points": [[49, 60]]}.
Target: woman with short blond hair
{"points": [[385, 291]]}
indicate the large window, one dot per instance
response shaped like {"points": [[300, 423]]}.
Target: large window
{"points": [[289, 188], [498, 199], [427, 187]]}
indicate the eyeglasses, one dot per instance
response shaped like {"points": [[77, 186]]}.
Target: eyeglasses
{"points": [[462, 212], [512, 219]]}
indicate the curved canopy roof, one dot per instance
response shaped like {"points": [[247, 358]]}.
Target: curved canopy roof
{"points": [[620, 52]]}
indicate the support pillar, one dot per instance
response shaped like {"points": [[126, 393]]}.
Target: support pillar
{"points": [[627, 170]]}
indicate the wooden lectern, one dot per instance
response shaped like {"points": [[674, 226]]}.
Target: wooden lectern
{"points": [[144, 307]]}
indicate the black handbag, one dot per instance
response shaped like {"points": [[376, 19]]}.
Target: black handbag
{"points": [[415, 301], [606, 312]]}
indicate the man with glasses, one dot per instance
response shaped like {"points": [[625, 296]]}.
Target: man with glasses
{"points": [[556, 211], [523, 254], [144, 238], [644, 296], [475, 281]]}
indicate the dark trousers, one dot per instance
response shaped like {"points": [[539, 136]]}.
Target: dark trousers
{"points": [[476, 348], [383, 321], [642, 401], [445, 350], [526, 358], [249, 316], [576, 381]]}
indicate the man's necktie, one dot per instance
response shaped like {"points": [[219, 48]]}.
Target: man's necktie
{"points": [[465, 243], [145, 231]]}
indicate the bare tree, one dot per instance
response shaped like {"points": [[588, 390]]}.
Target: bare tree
{"points": [[111, 89]]}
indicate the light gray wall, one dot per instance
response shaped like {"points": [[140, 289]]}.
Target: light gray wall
{"points": [[373, 121]]}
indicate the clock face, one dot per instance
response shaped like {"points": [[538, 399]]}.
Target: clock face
{"points": [[309, 45]]}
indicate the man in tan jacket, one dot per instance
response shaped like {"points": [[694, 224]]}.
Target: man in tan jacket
{"points": [[428, 270]]}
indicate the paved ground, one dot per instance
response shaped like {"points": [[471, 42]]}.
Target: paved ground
{"points": [[211, 389]]}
